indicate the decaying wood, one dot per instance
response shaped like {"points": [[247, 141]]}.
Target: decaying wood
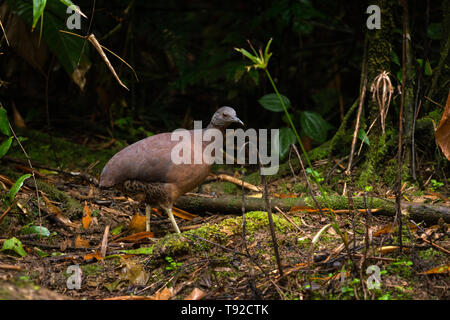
{"points": [[233, 205]]}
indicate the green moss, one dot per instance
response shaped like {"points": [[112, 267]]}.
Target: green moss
{"points": [[229, 187], [90, 269], [186, 242]]}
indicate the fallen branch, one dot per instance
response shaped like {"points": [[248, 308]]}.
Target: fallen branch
{"points": [[233, 205]]}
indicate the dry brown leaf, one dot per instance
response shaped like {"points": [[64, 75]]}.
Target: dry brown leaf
{"points": [[81, 243], [18, 120], [438, 270], [164, 294], [389, 249], [384, 230], [137, 223], [54, 210], [95, 255], [299, 208], [196, 294], [87, 219], [183, 214], [443, 130], [285, 195]]}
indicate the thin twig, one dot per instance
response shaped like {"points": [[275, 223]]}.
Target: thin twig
{"points": [[355, 132], [32, 171]]}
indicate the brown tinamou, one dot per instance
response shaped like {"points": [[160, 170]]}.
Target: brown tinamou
{"points": [[145, 169]]}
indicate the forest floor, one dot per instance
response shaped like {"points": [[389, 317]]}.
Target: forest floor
{"points": [[209, 259]]}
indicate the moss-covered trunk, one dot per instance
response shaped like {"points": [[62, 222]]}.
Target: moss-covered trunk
{"points": [[379, 54]]}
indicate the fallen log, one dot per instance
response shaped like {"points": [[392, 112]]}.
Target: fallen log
{"points": [[233, 205]]}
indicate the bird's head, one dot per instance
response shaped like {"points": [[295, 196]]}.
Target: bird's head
{"points": [[223, 117]]}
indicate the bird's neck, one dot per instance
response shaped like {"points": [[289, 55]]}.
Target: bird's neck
{"points": [[213, 126]]}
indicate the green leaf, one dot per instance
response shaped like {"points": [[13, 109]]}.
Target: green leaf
{"points": [[67, 48], [38, 10], [4, 123], [142, 250], [314, 126], [40, 252], [272, 102], [15, 245], [247, 54], [363, 137], [39, 230], [17, 185], [117, 230], [287, 137], [4, 147]]}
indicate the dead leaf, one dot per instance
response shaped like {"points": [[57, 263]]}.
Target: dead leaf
{"points": [[87, 219], [183, 214], [164, 294], [81, 243], [285, 195], [54, 210], [438, 270], [18, 120], [443, 130], [96, 255], [256, 195], [389, 249], [299, 208], [134, 272], [384, 230], [137, 223], [196, 294]]}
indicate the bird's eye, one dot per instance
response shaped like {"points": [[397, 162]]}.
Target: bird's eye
{"points": [[224, 115]]}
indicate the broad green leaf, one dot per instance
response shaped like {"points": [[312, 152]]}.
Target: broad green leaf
{"points": [[39, 230], [38, 10], [4, 147], [314, 126], [15, 245], [68, 49], [272, 102], [287, 137], [4, 124], [142, 250], [17, 185], [363, 137]]}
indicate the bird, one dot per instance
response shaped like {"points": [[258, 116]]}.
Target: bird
{"points": [[146, 171]]}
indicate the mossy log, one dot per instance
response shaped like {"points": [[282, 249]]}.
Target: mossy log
{"points": [[233, 205]]}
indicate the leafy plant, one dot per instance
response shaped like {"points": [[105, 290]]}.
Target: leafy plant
{"points": [[14, 244], [4, 147], [435, 185], [70, 51], [312, 123], [173, 266]]}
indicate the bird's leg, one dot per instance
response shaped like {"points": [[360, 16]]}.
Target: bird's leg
{"points": [[172, 219], [148, 212]]}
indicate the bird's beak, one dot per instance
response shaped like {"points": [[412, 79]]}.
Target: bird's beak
{"points": [[236, 119]]}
